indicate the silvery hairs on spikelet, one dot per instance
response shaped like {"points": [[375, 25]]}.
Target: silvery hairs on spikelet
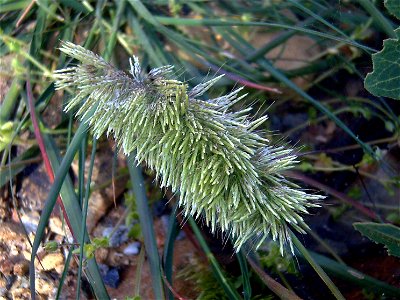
{"points": [[222, 167]]}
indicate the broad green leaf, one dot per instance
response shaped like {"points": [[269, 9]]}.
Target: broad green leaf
{"points": [[384, 80], [386, 234], [393, 6]]}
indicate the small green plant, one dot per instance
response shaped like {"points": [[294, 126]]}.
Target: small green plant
{"points": [[90, 248], [222, 166]]}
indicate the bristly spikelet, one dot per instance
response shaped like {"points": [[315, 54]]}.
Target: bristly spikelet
{"points": [[222, 168]]}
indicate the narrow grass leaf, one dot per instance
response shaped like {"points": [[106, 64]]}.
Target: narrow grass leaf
{"points": [[64, 274], [245, 274], [217, 22], [219, 275], [354, 276], [169, 245], [85, 206], [304, 252], [146, 223]]}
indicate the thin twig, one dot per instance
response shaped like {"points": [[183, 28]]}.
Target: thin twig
{"points": [[25, 13], [243, 81], [341, 196], [170, 287], [273, 285]]}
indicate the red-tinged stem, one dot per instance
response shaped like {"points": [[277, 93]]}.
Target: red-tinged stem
{"points": [[243, 81], [42, 148], [174, 292], [341, 196], [272, 284]]}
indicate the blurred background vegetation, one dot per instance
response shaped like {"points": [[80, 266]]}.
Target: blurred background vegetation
{"points": [[302, 62]]}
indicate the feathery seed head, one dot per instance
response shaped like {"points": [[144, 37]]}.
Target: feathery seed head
{"points": [[222, 167]]}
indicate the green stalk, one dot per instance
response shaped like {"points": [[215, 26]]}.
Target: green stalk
{"points": [[378, 17], [168, 256], [362, 280], [64, 274], [219, 275], [13, 5], [85, 206], [241, 257], [216, 22], [146, 223], [139, 268], [113, 38], [335, 291]]}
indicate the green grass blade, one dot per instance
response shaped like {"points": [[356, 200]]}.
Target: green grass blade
{"points": [[145, 43], [81, 171], [245, 275], [216, 22], [146, 223], [349, 274], [76, 5], [304, 252], [317, 17], [378, 17], [85, 206], [219, 275], [169, 244], [37, 38], [13, 5], [111, 41], [64, 274], [279, 40]]}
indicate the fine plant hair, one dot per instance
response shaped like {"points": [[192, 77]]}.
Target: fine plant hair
{"points": [[222, 167]]}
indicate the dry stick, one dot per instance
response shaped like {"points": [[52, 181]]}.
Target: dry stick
{"points": [[25, 13], [38, 135], [341, 196], [273, 285]]}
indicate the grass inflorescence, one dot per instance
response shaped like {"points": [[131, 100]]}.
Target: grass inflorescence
{"points": [[213, 156]]}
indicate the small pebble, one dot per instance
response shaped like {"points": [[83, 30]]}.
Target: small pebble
{"points": [[132, 249], [103, 269], [111, 278], [119, 237], [53, 261], [30, 221]]}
